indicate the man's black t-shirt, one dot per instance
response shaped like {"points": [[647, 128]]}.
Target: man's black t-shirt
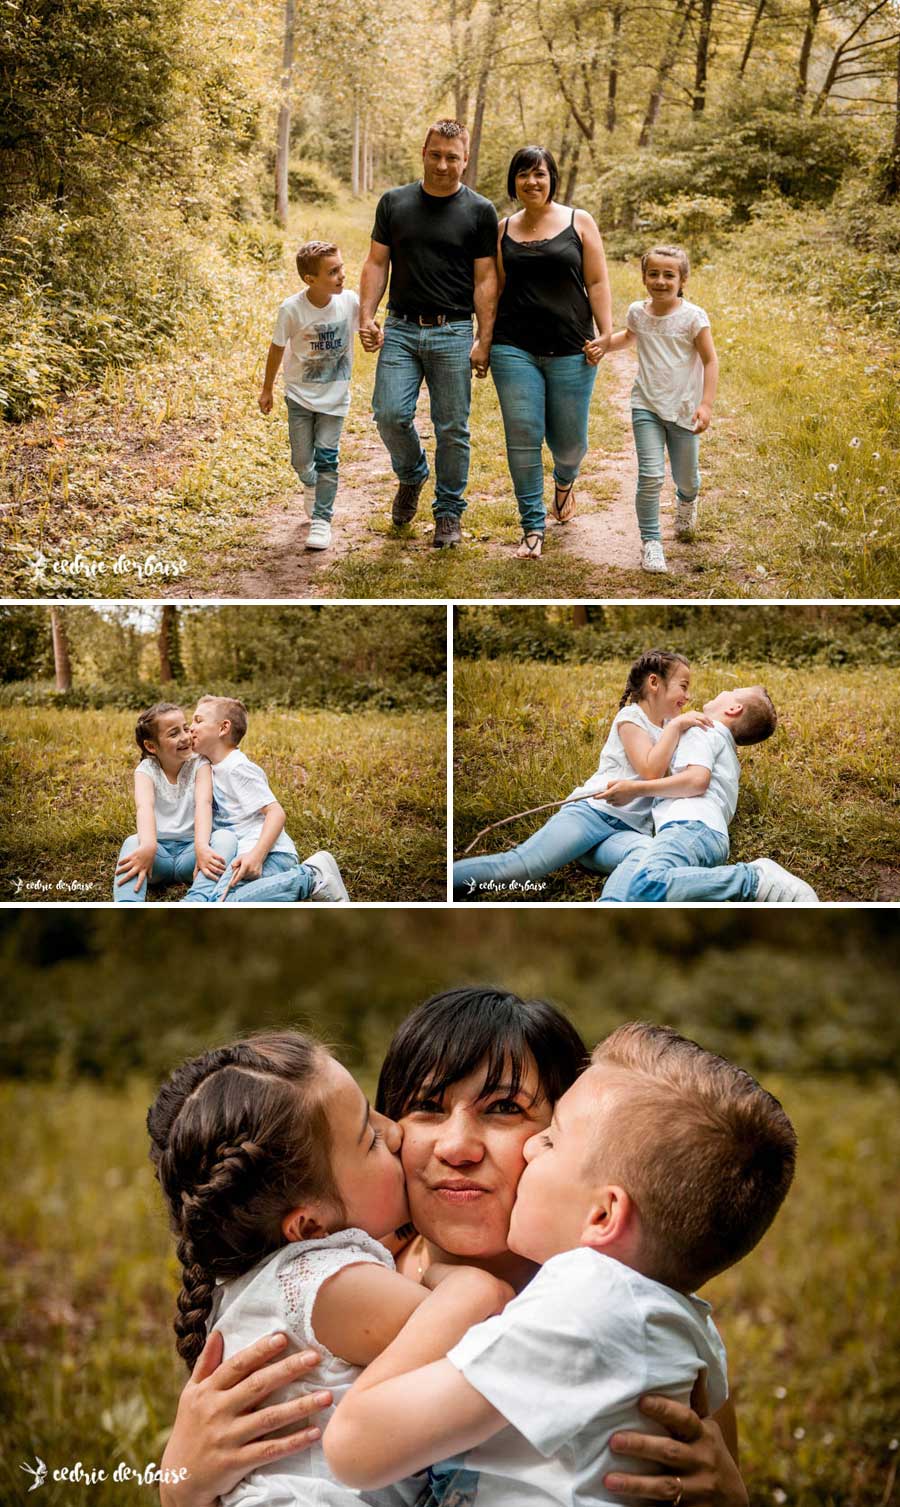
{"points": [[434, 241]]}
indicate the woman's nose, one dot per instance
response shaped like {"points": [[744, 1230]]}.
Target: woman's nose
{"points": [[459, 1140]]}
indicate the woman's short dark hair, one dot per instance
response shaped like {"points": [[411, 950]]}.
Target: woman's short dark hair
{"points": [[454, 1034], [529, 157]]}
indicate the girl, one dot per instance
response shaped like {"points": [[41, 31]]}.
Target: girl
{"points": [[672, 397], [643, 736], [280, 1180], [162, 849], [554, 296]]}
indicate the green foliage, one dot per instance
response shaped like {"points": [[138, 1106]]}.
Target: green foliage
{"points": [[311, 183]]}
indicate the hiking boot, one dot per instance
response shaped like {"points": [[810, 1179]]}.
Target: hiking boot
{"points": [[446, 533], [406, 500]]}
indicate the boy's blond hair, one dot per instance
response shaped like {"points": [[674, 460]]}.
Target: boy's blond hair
{"points": [[706, 1154], [310, 254], [229, 709], [757, 721]]}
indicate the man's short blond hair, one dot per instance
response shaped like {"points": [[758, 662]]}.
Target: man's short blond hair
{"points": [[451, 130], [757, 721], [706, 1154], [228, 709]]}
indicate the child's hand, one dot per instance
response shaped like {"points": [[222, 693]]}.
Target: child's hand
{"points": [[245, 867], [692, 719], [136, 866], [265, 400], [618, 792], [701, 418], [595, 350], [371, 336], [210, 863]]}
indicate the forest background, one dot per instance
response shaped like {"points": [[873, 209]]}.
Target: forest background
{"points": [[97, 1011], [152, 155]]}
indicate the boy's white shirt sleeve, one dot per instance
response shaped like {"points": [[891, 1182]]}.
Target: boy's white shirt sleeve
{"points": [[285, 325], [252, 789], [696, 746]]}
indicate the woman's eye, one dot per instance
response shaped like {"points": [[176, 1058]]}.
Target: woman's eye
{"points": [[505, 1107], [425, 1107]]}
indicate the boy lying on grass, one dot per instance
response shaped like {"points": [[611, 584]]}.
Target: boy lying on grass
{"points": [[662, 1166]]}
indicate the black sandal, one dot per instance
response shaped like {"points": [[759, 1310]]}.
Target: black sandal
{"points": [[563, 505], [533, 543]]}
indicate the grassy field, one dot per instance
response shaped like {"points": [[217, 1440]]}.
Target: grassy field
{"points": [[174, 459], [821, 797], [369, 786], [89, 1370]]}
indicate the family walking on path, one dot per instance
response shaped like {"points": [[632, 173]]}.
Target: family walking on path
{"points": [[537, 287]]}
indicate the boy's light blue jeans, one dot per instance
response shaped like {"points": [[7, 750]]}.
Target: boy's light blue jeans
{"points": [[173, 864], [439, 356], [685, 861], [284, 880], [580, 831], [652, 436], [542, 397], [314, 453]]}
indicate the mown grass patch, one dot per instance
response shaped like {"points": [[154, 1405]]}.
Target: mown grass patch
{"points": [[368, 786], [821, 797]]}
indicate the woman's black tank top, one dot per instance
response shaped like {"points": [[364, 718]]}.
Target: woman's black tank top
{"points": [[544, 307]]}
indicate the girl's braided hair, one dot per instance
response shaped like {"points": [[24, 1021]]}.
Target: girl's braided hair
{"points": [[147, 724], [659, 662], [238, 1138]]}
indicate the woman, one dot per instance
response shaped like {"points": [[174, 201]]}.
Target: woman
{"points": [[471, 1075], [554, 290]]}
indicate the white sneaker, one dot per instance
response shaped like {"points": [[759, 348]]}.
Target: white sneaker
{"points": [[652, 557], [319, 536], [685, 518], [329, 885], [779, 886], [309, 499]]}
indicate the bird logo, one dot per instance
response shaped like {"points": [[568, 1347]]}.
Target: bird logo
{"points": [[39, 1471]]}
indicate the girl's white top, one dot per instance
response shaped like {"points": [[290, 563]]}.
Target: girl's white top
{"points": [[614, 765], [174, 804], [670, 373], [279, 1295]]}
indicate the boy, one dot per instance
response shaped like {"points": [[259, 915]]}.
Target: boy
{"points": [[693, 810], [236, 792], [314, 334], [662, 1166]]}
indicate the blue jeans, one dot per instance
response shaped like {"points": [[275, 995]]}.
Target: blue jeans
{"points": [[284, 880], [572, 832], [684, 862], [542, 397], [652, 435], [314, 453], [439, 356], [173, 864]]}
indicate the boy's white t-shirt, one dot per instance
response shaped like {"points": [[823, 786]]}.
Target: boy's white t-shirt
{"points": [[614, 765], [318, 350], [173, 804], [240, 790], [715, 749], [669, 377], [567, 1362]]}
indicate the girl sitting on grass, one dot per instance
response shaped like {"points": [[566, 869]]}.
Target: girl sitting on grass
{"points": [[643, 737], [672, 397], [162, 849], [281, 1182]]}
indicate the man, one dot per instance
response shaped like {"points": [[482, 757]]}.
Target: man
{"points": [[438, 239]]}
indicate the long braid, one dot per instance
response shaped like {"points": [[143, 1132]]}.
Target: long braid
{"points": [[659, 662]]}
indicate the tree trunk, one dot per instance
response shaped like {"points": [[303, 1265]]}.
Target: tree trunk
{"points": [[283, 142], [354, 163], [470, 176], [61, 663], [751, 36], [572, 176], [613, 80], [169, 644], [579, 617], [684, 9], [891, 182], [698, 103], [812, 20]]}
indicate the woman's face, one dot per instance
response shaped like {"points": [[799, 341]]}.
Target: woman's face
{"points": [[533, 185], [463, 1157]]}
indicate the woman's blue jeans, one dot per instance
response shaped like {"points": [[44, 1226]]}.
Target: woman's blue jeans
{"points": [[652, 436], [173, 864], [542, 397], [684, 862], [580, 830], [439, 356], [314, 453]]}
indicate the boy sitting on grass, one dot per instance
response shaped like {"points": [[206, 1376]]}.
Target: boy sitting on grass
{"points": [[314, 334], [662, 1166], [693, 808], [264, 866]]}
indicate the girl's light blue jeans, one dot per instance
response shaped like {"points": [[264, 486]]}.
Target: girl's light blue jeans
{"points": [[652, 437], [284, 880], [580, 830], [439, 356], [542, 397], [173, 864], [314, 453], [684, 862]]}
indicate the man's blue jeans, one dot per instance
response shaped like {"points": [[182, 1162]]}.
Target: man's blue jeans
{"points": [[284, 880], [652, 435], [685, 861], [439, 356], [580, 830], [542, 397], [173, 864], [314, 453]]}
